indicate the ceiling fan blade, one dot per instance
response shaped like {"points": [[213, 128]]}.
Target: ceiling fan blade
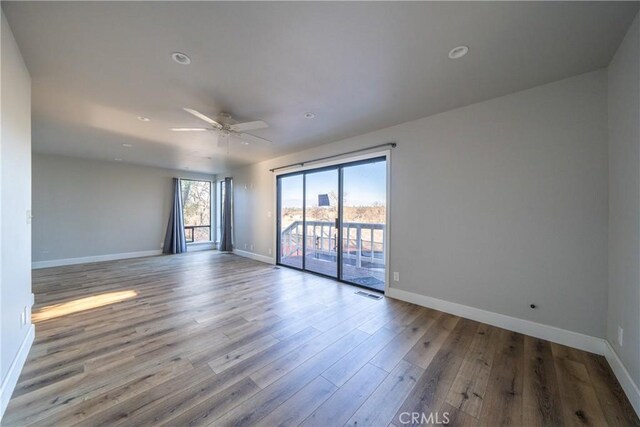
{"points": [[252, 139], [203, 117], [189, 129], [243, 127]]}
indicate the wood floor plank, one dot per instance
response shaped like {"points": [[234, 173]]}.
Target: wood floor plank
{"points": [[119, 411], [455, 417], [580, 404], [434, 384], [297, 408], [209, 410], [423, 351], [216, 339], [380, 408], [468, 389], [395, 350], [337, 410], [339, 338], [541, 395], [282, 389], [502, 405], [614, 403], [242, 353], [340, 372]]}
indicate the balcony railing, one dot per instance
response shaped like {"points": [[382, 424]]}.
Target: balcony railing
{"points": [[363, 244], [193, 231]]}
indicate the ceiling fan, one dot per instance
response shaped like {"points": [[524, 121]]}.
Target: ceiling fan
{"points": [[226, 127]]}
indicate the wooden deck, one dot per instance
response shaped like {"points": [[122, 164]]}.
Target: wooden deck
{"points": [[362, 276], [214, 339]]}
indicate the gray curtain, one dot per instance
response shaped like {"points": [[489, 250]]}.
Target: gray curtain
{"points": [[226, 243], [174, 240]]}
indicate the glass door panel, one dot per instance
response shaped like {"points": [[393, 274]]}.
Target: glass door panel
{"points": [[321, 216], [290, 220], [364, 213]]}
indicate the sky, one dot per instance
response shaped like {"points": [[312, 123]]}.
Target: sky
{"points": [[363, 185]]}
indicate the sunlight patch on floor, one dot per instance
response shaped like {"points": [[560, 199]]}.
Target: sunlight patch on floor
{"points": [[81, 304]]}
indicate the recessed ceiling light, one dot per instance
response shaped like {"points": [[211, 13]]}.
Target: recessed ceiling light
{"points": [[181, 58], [244, 142], [144, 119], [309, 115], [127, 145], [458, 52], [118, 159]]}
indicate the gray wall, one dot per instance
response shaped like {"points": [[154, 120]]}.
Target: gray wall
{"points": [[624, 201], [87, 208], [15, 198], [496, 205]]}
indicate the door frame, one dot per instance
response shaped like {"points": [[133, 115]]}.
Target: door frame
{"points": [[326, 166]]}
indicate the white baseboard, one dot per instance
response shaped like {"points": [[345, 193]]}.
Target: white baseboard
{"points": [[254, 256], [10, 381], [97, 258], [624, 378], [527, 327]]}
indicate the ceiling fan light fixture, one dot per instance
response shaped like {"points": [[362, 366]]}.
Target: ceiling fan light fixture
{"points": [[458, 52], [309, 115], [188, 129], [181, 58]]}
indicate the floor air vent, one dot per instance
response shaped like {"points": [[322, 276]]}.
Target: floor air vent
{"points": [[368, 295]]}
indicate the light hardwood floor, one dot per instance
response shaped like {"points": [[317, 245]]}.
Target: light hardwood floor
{"points": [[209, 338]]}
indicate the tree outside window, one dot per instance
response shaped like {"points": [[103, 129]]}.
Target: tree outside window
{"points": [[196, 207]]}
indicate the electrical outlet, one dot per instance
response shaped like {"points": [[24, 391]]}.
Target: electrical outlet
{"points": [[620, 335], [270, 250], [396, 276]]}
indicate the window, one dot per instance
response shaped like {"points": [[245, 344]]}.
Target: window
{"points": [[196, 208]]}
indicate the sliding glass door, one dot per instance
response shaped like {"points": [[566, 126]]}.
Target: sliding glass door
{"points": [[321, 222], [332, 221], [290, 214], [364, 213]]}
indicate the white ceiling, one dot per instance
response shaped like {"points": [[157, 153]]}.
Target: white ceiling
{"points": [[358, 66]]}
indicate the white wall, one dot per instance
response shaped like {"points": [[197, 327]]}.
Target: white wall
{"points": [[624, 201], [496, 205], [15, 196], [84, 208]]}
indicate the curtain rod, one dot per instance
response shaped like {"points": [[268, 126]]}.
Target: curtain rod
{"points": [[388, 144]]}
